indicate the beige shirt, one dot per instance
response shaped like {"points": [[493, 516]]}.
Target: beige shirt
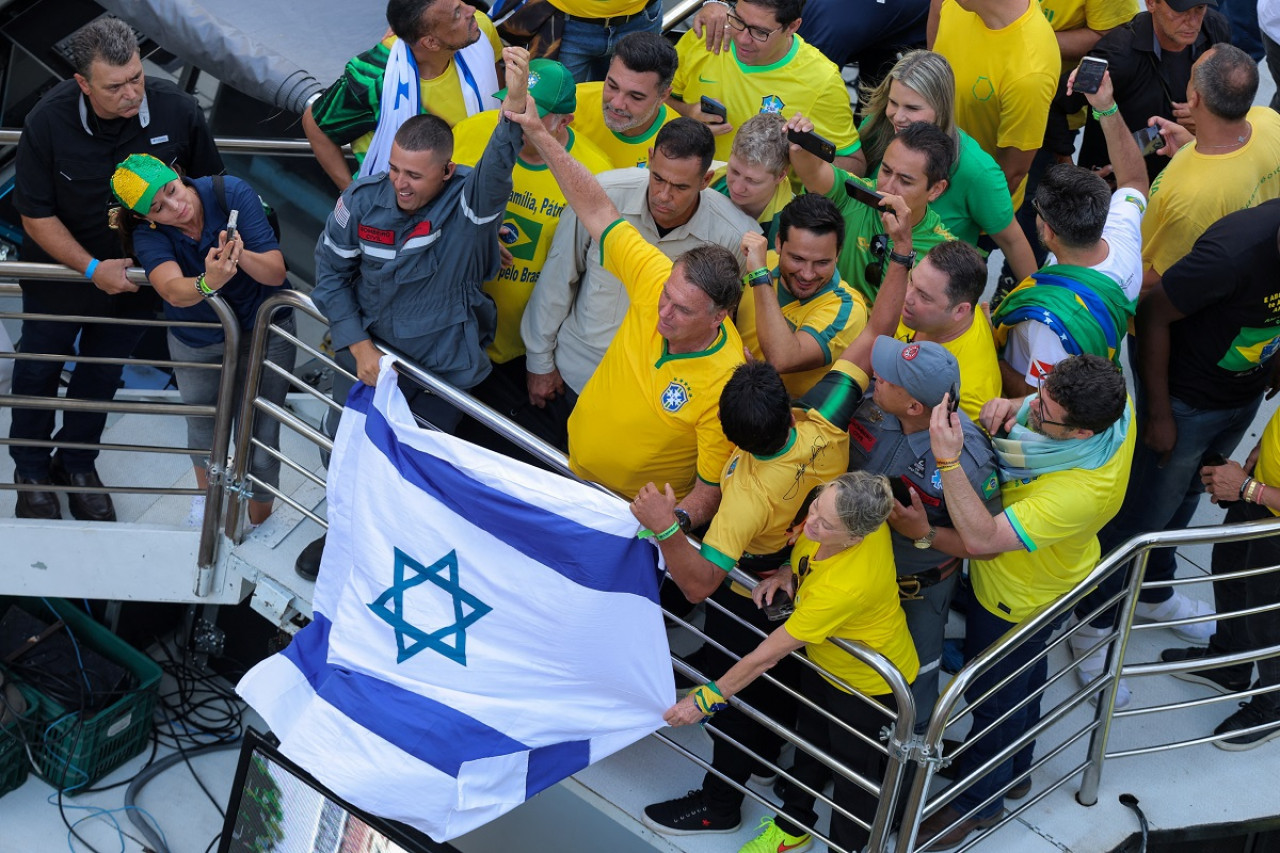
{"points": [[577, 306]]}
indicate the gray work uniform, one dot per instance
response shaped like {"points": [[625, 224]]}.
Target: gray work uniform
{"points": [[878, 444], [414, 279]]}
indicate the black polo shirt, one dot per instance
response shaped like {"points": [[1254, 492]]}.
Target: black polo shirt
{"points": [[67, 154]]}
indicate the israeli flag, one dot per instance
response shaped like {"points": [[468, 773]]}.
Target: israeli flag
{"points": [[483, 629]]}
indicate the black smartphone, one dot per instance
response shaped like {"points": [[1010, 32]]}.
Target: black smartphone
{"points": [[901, 491], [781, 608], [232, 221], [953, 400], [860, 193], [711, 106], [816, 145], [1089, 75], [1149, 140]]}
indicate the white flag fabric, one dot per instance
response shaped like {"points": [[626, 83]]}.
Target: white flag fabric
{"points": [[483, 629]]}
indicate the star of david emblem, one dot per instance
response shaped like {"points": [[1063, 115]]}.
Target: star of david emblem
{"points": [[467, 609], [674, 397]]}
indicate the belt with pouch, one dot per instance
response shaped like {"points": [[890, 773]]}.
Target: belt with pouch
{"points": [[613, 20], [760, 565], [910, 586]]}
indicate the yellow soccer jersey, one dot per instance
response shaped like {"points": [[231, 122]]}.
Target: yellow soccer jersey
{"points": [[1196, 190], [1100, 15], [833, 316], [975, 352], [442, 96], [803, 81], [533, 212], [645, 414], [599, 8], [1005, 78], [854, 596], [1268, 468], [1057, 516], [623, 152], [763, 494]]}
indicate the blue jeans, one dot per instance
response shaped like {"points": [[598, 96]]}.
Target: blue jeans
{"points": [[1165, 498], [586, 49], [982, 629]]}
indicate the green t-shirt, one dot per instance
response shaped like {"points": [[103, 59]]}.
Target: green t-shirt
{"points": [[857, 262]]}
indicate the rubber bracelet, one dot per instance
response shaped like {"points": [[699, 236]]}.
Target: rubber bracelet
{"points": [[1244, 485], [951, 467], [91, 269], [941, 462], [1099, 116], [202, 287], [668, 533], [755, 278]]}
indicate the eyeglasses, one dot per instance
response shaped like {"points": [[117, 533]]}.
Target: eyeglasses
{"points": [[873, 274], [757, 33], [1040, 408], [1035, 205]]}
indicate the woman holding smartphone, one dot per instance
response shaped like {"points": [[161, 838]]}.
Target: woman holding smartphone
{"points": [[843, 579], [922, 87], [177, 230]]}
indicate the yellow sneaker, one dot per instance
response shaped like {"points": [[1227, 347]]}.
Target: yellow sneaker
{"points": [[774, 840]]}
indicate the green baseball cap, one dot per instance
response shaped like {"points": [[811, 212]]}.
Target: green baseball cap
{"points": [[551, 86]]}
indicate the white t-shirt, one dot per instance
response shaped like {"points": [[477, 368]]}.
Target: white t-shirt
{"points": [[1269, 18], [1033, 348]]}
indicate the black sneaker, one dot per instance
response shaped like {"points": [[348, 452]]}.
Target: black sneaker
{"points": [[1224, 679], [689, 815], [1248, 717]]}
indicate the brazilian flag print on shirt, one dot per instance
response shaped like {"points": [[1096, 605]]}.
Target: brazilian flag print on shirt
{"points": [[1251, 347]]}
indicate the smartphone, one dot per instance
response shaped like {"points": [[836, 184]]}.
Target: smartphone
{"points": [[781, 608], [901, 491], [816, 145], [1149, 140], [1089, 75], [711, 106], [860, 193], [953, 401], [232, 221]]}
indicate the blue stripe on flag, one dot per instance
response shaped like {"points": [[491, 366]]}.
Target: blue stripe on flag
{"points": [[430, 731], [585, 556], [549, 764]]}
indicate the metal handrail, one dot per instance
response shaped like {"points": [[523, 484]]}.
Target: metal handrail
{"points": [[900, 725], [220, 412]]}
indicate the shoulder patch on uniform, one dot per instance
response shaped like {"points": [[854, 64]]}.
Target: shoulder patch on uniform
{"points": [[1137, 202], [340, 213], [991, 486]]}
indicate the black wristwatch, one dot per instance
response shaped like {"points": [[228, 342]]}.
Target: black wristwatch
{"points": [[908, 260], [685, 522]]}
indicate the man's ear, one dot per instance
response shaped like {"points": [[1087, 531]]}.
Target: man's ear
{"points": [[937, 189], [449, 169], [83, 82], [706, 179]]}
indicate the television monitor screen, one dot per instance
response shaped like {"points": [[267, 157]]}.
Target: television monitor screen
{"points": [[276, 807]]}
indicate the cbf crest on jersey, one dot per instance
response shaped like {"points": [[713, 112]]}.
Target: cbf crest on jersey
{"points": [[675, 395], [772, 104]]}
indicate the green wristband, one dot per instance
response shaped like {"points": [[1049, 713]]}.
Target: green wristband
{"points": [[1099, 116], [660, 537]]}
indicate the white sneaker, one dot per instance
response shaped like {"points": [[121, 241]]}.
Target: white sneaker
{"points": [[195, 517], [1092, 663], [1180, 607]]}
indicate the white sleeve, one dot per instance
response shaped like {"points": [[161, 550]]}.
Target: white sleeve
{"points": [[1123, 233], [1033, 349]]}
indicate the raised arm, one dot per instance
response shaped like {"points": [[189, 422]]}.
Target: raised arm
{"points": [[817, 175], [581, 189], [887, 310], [1126, 160]]}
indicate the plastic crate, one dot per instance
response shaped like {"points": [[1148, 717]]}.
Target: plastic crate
{"points": [[76, 751], [14, 764]]}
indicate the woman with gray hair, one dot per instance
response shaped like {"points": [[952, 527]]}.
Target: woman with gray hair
{"points": [[755, 178], [922, 87], [847, 588]]}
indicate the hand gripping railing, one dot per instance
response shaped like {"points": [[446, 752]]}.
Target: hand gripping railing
{"points": [[898, 730], [220, 412]]}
